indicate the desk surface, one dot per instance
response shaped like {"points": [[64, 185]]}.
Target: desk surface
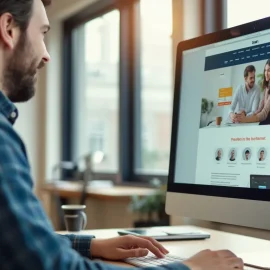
{"points": [[252, 250], [74, 189]]}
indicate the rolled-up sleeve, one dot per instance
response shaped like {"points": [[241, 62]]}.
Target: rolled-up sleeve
{"points": [[80, 243]]}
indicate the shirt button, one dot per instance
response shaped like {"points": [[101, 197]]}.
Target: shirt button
{"points": [[13, 115]]}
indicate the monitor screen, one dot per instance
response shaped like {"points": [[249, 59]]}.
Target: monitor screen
{"points": [[223, 131]]}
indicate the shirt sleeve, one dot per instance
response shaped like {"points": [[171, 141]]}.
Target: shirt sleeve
{"points": [[261, 103], [234, 100], [255, 103], [27, 239], [80, 243], [265, 109]]}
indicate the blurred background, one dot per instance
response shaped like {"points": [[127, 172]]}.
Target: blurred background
{"points": [[109, 89]]}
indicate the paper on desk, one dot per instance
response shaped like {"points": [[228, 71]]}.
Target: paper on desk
{"points": [[258, 258]]}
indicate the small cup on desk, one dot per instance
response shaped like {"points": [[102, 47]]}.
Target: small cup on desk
{"points": [[218, 120], [75, 217]]}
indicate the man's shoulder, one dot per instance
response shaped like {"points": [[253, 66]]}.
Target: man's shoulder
{"points": [[7, 133], [240, 88], [4, 123], [12, 148]]}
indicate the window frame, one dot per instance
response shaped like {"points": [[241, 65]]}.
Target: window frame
{"points": [[129, 78]]}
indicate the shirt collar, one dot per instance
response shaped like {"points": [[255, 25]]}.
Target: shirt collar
{"points": [[8, 109], [251, 89]]}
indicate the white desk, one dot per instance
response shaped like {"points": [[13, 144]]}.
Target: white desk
{"points": [[227, 125], [252, 250]]}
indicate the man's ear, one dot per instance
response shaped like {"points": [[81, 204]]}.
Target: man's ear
{"points": [[9, 31]]}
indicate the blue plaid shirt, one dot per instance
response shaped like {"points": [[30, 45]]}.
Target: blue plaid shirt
{"points": [[27, 239]]}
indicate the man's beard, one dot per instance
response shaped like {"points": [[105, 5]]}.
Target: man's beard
{"points": [[19, 76], [251, 85]]}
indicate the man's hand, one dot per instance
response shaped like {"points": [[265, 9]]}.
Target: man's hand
{"points": [[125, 247], [242, 112], [233, 117], [214, 260], [240, 117]]}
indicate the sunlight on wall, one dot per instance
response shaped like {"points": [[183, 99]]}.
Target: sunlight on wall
{"points": [[242, 11]]}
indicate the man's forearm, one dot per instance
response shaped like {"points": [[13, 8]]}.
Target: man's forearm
{"points": [[252, 119], [82, 244]]}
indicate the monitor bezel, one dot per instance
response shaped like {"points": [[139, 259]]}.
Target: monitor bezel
{"points": [[209, 190]]}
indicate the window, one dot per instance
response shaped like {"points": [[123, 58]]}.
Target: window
{"points": [[118, 87], [241, 11], [97, 137], [96, 89], [156, 86]]}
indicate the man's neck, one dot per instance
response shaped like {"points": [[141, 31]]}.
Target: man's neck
{"points": [[247, 88]]}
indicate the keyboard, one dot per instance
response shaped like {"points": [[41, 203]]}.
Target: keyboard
{"points": [[151, 260]]}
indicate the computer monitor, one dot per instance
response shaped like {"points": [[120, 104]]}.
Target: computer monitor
{"points": [[220, 146]]}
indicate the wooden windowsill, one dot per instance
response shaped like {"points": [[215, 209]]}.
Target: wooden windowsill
{"points": [[73, 190]]}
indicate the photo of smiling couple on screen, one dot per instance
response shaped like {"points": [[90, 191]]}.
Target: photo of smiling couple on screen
{"points": [[238, 94]]}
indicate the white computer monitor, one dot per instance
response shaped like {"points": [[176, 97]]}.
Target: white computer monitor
{"points": [[220, 161]]}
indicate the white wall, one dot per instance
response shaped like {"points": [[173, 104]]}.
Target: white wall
{"points": [[192, 18], [62, 9], [26, 126], [213, 81]]}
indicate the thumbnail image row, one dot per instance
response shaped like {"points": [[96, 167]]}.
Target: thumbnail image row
{"points": [[244, 155]]}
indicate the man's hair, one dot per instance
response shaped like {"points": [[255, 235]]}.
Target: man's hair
{"points": [[248, 69], [262, 151], [247, 152], [21, 10]]}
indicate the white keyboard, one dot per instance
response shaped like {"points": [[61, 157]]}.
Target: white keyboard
{"points": [[151, 260]]}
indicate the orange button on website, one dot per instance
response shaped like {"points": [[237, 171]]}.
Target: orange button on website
{"points": [[225, 103]]}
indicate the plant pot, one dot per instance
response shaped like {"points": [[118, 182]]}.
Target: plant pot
{"points": [[203, 120]]}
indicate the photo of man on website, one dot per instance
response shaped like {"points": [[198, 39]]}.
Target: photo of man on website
{"points": [[246, 96], [218, 155], [232, 155], [247, 155], [262, 154], [237, 95]]}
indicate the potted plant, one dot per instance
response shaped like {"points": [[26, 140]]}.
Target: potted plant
{"points": [[151, 209], [206, 109], [260, 81]]}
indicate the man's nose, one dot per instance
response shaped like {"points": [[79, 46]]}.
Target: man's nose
{"points": [[46, 58]]}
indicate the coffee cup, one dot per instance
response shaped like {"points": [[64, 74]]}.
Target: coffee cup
{"points": [[75, 217], [218, 120]]}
